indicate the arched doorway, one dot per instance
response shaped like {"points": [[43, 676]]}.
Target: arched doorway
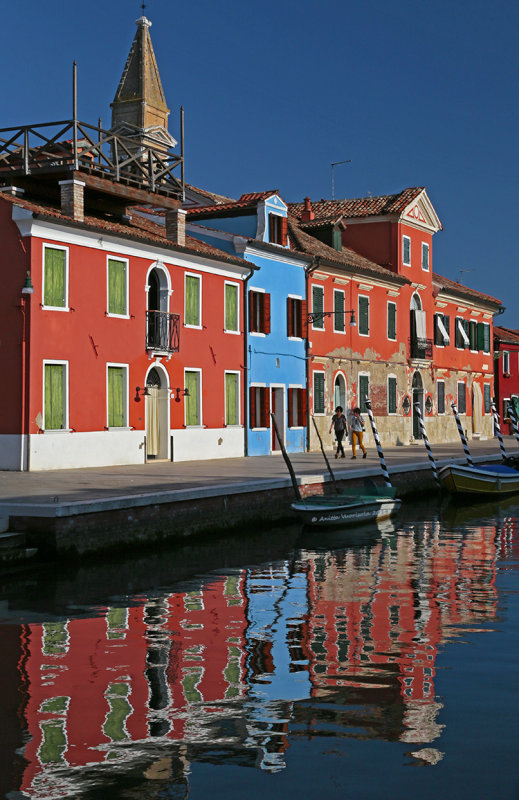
{"points": [[157, 414], [157, 317], [417, 392], [339, 391]]}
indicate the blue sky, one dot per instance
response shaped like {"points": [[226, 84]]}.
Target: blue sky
{"points": [[414, 93]]}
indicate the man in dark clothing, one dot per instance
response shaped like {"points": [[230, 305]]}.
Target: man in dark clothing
{"points": [[338, 423]]}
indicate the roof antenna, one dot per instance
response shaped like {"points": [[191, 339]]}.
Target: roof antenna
{"points": [[460, 273], [334, 164]]}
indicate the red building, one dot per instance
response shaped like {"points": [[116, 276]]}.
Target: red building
{"points": [[126, 342], [386, 325], [506, 374]]}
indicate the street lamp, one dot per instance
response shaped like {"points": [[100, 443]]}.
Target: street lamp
{"points": [[319, 315]]}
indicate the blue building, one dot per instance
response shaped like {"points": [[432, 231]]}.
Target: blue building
{"points": [[255, 227]]}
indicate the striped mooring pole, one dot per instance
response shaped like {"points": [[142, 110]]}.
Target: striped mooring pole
{"points": [[497, 428], [513, 417], [426, 442], [385, 473], [462, 435]]}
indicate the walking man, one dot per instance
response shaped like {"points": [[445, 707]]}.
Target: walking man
{"points": [[338, 423], [357, 432]]}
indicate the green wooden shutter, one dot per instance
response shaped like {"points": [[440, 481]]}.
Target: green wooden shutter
{"points": [[117, 287], [486, 337], [364, 315], [391, 395], [231, 307], [231, 398], [54, 292], [440, 390], [116, 397], [486, 397], [54, 396], [318, 393], [318, 306], [192, 400], [338, 307], [391, 321], [363, 391], [192, 300]]}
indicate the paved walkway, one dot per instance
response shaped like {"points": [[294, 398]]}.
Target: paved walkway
{"points": [[89, 489]]}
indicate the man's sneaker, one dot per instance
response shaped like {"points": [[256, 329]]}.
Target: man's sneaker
{"points": [[364, 456]]}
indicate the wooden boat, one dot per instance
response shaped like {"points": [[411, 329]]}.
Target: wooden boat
{"points": [[480, 479], [350, 507]]}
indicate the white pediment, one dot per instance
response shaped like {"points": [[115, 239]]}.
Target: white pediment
{"points": [[420, 213]]}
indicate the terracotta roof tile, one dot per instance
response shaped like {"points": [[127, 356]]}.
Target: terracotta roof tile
{"points": [[508, 335], [460, 289], [361, 206], [138, 228], [248, 200]]}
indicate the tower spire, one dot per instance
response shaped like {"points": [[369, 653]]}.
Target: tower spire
{"points": [[139, 107]]}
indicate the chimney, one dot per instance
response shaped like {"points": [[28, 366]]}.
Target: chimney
{"points": [[176, 226], [307, 214], [72, 199]]}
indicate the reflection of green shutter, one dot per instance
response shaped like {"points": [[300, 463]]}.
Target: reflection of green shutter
{"points": [[54, 278], [120, 710], [115, 397], [54, 742], [231, 399], [54, 416], [363, 391], [192, 400], [189, 683], [231, 307], [55, 638], [116, 287], [364, 315], [192, 301], [54, 705]]}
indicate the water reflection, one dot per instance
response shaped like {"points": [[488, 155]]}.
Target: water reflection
{"points": [[334, 639]]}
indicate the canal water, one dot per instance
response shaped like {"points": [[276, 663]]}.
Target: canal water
{"points": [[375, 663]]}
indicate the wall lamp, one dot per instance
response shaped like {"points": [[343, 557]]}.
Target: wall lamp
{"points": [[145, 391], [180, 393], [318, 316]]}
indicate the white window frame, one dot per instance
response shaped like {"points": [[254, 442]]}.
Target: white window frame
{"points": [[426, 249], [405, 238], [391, 303], [335, 330], [238, 398], [199, 278], [366, 296], [48, 246], [126, 261], [201, 423], [321, 288], [506, 362], [314, 412], [236, 332], [438, 412], [394, 413], [126, 404], [296, 338], [258, 290], [66, 427]]}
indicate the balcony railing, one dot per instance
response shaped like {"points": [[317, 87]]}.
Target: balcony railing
{"points": [[162, 331], [420, 348]]}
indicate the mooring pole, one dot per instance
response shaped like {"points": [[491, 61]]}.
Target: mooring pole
{"points": [[285, 456], [497, 428], [462, 435], [418, 412], [385, 473], [513, 417], [324, 455]]}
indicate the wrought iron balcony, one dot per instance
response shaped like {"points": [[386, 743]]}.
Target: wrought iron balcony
{"points": [[420, 348], [162, 331]]}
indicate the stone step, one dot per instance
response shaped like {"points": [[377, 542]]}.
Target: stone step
{"points": [[12, 539]]}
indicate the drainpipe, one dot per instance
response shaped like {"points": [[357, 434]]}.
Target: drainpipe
{"points": [[25, 307], [245, 364], [308, 271]]}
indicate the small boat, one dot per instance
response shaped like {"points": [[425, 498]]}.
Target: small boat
{"points": [[350, 507], [481, 479]]}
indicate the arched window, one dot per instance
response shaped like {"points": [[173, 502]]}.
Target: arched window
{"points": [[158, 322]]}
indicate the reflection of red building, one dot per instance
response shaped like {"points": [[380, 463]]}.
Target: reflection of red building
{"points": [[129, 675]]}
